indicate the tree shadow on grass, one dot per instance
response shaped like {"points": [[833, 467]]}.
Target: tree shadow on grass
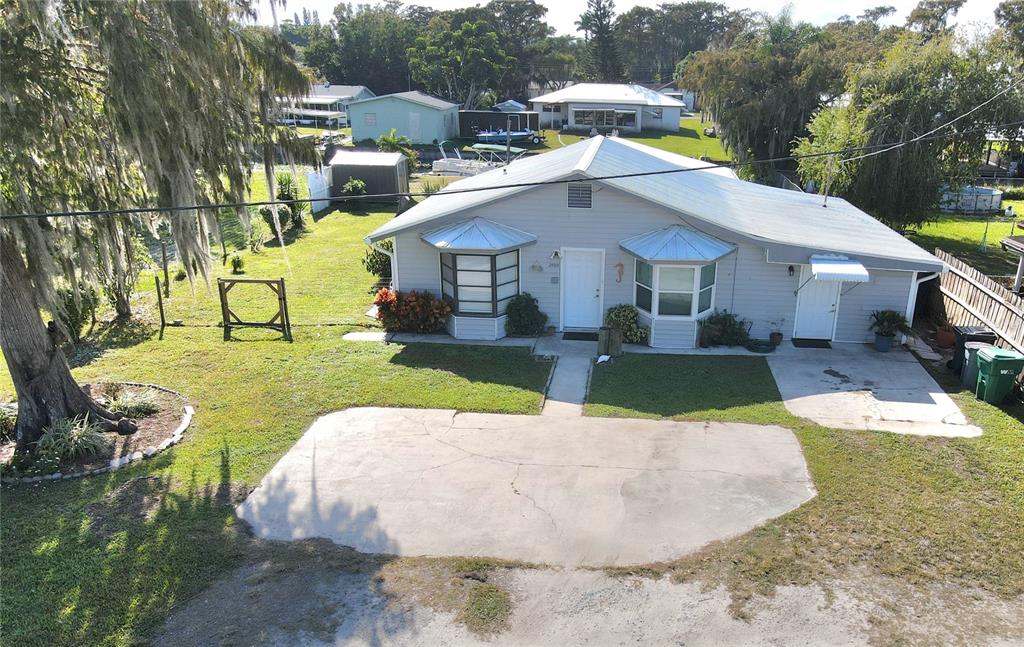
{"points": [[107, 336], [100, 560]]}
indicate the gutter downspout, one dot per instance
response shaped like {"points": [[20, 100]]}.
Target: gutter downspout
{"points": [[912, 297]]}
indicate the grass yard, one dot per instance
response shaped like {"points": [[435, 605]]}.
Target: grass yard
{"points": [[922, 510], [81, 568], [962, 235], [690, 140]]}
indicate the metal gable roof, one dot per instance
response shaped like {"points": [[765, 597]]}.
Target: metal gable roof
{"points": [[478, 235], [765, 214], [676, 243], [415, 96], [612, 93]]}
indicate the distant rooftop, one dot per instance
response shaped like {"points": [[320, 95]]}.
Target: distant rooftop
{"points": [[339, 91], [613, 93]]}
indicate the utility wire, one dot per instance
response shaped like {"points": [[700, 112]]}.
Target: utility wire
{"points": [[411, 194]]}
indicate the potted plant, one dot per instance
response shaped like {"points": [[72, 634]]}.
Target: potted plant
{"points": [[775, 336], [944, 335], [886, 324]]}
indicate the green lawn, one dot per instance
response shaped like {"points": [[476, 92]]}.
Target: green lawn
{"points": [[64, 584], [924, 510], [690, 140], [962, 236]]}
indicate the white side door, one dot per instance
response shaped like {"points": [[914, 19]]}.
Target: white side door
{"points": [[582, 288], [415, 130], [817, 303]]}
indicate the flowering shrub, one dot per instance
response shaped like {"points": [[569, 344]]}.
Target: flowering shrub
{"points": [[410, 311], [627, 319]]}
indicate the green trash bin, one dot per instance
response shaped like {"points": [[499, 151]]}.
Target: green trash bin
{"points": [[997, 370]]}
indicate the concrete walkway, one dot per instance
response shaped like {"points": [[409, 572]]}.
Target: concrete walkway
{"points": [[561, 491], [853, 386], [570, 381]]}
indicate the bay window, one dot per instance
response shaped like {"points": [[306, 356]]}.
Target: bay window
{"points": [[479, 285], [674, 290]]}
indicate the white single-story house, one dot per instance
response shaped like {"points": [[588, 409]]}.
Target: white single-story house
{"points": [[420, 117], [326, 105], [679, 244], [627, 107]]}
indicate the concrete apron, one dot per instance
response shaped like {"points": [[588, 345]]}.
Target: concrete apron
{"points": [[561, 491], [855, 387]]}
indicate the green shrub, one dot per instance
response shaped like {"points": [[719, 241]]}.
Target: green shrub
{"points": [[76, 313], [257, 235], [132, 403], [724, 329], [378, 263], [627, 319], [180, 275], [354, 186], [411, 311], [8, 419], [237, 264], [430, 188], [887, 323], [524, 316], [71, 439], [1012, 192], [37, 463], [288, 189]]}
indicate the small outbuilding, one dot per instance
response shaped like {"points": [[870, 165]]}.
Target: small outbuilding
{"points": [[420, 117], [384, 173]]}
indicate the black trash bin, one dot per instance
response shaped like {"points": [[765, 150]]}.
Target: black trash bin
{"points": [[965, 334]]}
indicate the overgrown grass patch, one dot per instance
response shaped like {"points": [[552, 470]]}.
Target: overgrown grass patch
{"points": [[487, 608], [920, 509]]}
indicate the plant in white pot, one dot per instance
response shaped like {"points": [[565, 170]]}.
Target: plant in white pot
{"points": [[886, 324]]}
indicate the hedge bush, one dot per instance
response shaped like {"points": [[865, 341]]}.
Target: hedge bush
{"points": [[524, 316], [1012, 192], [627, 319], [411, 311], [724, 329], [76, 313], [378, 263]]}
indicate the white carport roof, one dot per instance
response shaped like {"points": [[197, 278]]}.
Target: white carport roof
{"points": [[610, 93], [676, 243], [715, 196], [478, 235]]}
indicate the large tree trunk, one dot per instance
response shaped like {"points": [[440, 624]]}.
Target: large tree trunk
{"points": [[42, 380]]}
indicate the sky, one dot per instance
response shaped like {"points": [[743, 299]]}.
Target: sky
{"points": [[562, 14]]}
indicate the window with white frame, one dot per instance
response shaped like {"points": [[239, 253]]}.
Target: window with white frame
{"points": [[674, 290], [479, 285], [370, 119]]}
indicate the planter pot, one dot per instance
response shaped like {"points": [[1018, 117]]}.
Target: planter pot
{"points": [[883, 343], [945, 337], [775, 338]]}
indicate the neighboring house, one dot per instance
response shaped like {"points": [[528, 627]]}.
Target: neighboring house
{"points": [[420, 117], [606, 106], [326, 105], [677, 245]]}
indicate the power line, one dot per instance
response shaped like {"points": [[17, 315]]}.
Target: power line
{"points": [[412, 194]]}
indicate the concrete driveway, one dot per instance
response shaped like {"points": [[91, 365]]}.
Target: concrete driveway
{"points": [[563, 491], [853, 386]]}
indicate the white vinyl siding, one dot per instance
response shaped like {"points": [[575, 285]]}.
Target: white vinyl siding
{"points": [[886, 290]]}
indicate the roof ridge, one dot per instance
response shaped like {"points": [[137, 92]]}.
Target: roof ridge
{"points": [[587, 158]]}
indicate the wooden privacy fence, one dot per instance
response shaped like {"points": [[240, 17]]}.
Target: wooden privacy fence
{"points": [[972, 299]]}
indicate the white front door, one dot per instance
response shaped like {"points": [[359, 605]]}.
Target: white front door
{"points": [[817, 303], [582, 288], [415, 131]]}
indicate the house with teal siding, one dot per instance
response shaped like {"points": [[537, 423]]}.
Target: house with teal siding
{"points": [[420, 117]]}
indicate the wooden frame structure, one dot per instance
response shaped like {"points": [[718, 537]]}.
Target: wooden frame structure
{"points": [[280, 321]]}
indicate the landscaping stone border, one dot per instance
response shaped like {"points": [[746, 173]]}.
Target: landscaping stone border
{"points": [[119, 462]]}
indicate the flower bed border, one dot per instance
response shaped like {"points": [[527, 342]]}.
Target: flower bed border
{"points": [[119, 462]]}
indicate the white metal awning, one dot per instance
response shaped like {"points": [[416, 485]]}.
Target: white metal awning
{"points": [[478, 235], [676, 244], [837, 268]]}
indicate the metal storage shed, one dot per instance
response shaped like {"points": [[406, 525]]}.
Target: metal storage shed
{"points": [[382, 172]]}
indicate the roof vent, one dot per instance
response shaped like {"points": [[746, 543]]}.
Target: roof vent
{"points": [[579, 195]]}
